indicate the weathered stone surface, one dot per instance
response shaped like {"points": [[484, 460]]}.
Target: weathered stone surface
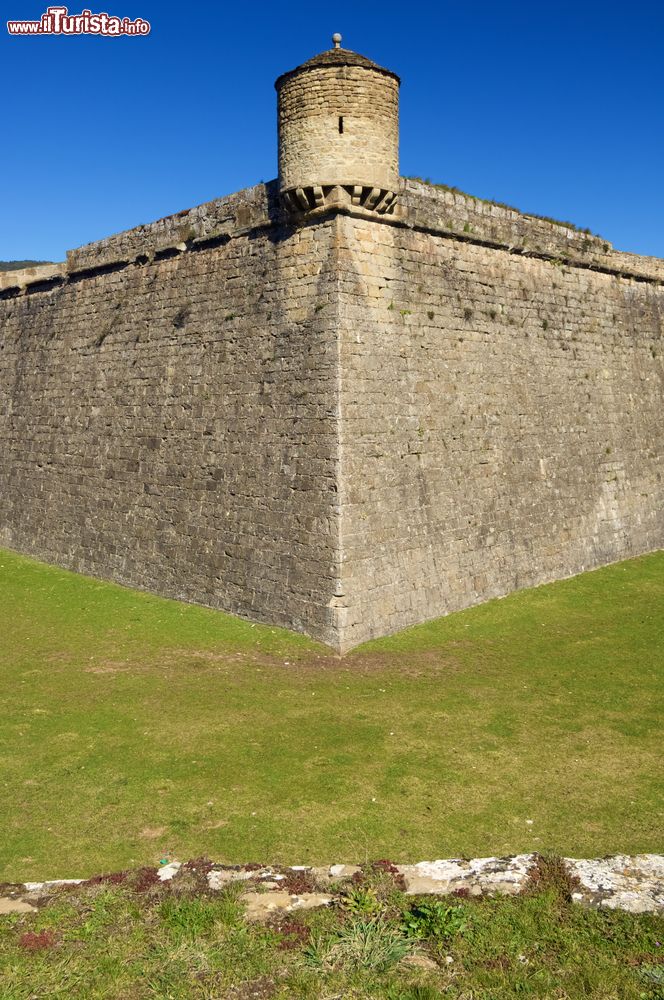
{"points": [[479, 876], [25, 276], [167, 872], [500, 421], [45, 887], [338, 125], [419, 960], [634, 883], [219, 878], [171, 426], [343, 871], [260, 905], [11, 905], [222, 218], [623, 882]]}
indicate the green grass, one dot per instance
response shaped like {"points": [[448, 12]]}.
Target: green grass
{"points": [[136, 728], [116, 942]]}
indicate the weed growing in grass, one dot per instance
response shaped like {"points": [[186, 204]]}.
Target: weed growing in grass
{"points": [[362, 900], [434, 918], [360, 944]]}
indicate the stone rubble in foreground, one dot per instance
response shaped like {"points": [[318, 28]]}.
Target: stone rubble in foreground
{"points": [[634, 883]]}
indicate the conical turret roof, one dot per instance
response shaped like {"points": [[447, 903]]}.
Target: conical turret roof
{"points": [[335, 57]]}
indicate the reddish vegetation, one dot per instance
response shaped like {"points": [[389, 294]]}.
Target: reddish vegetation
{"points": [[298, 882], [37, 940], [501, 963], [385, 866], [390, 869], [114, 878], [551, 873], [199, 866], [197, 869], [144, 879], [293, 934]]}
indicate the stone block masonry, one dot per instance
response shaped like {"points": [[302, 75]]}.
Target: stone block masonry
{"points": [[341, 422], [168, 418], [500, 412], [349, 122]]}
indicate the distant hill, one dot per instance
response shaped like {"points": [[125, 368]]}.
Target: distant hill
{"points": [[16, 265]]}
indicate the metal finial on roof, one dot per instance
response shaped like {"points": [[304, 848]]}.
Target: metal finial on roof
{"points": [[336, 38]]}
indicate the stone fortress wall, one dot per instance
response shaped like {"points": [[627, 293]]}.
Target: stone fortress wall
{"points": [[502, 388], [344, 410], [167, 413]]}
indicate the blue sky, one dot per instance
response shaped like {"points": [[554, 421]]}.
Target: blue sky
{"points": [[555, 108]]}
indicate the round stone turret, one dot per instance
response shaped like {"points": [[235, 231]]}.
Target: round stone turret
{"points": [[338, 132]]}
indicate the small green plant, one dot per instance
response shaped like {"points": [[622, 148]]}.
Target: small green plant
{"points": [[405, 312], [391, 306], [435, 918], [467, 313], [362, 900], [319, 306], [359, 944], [545, 324], [229, 317], [430, 313]]}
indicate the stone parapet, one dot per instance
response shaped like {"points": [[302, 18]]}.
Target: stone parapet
{"points": [[25, 276], [436, 209], [229, 216]]}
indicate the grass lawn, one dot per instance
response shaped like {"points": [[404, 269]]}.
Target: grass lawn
{"points": [[136, 728], [137, 941]]}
